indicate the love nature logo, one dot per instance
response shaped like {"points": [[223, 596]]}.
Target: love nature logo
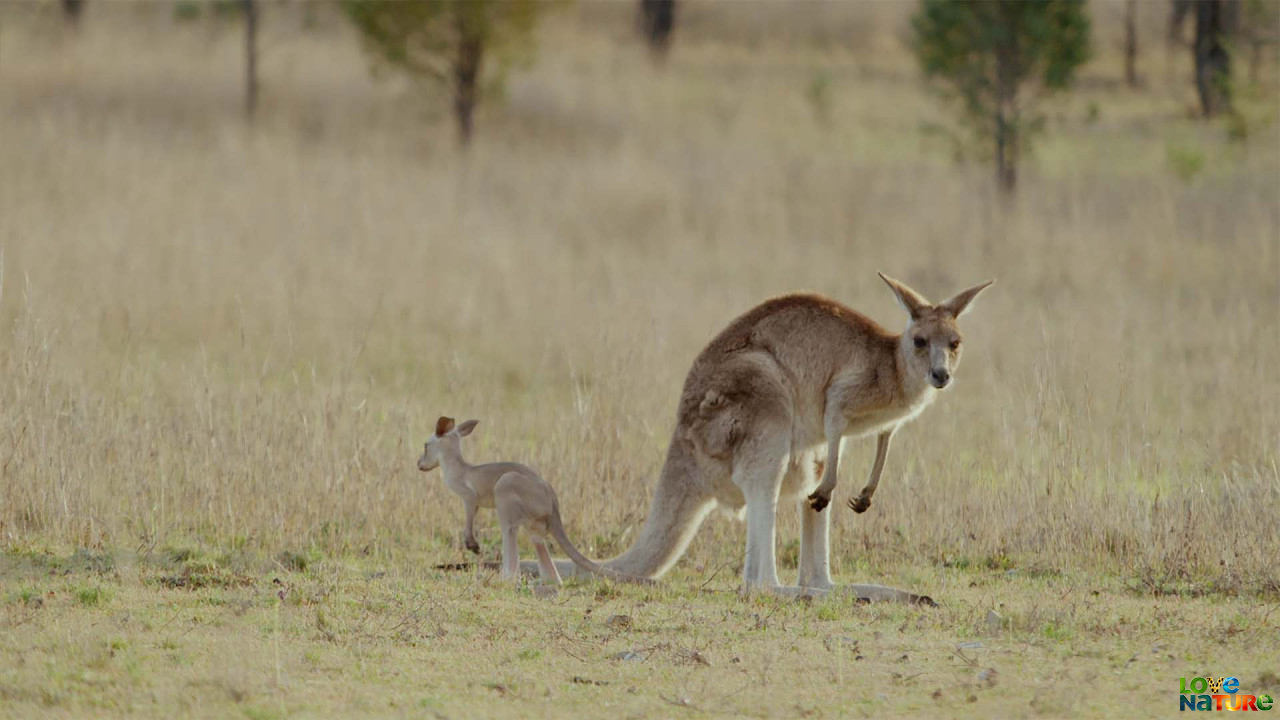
{"points": [[1223, 693]]}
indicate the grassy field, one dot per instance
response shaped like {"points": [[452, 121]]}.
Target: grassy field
{"points": [[223, 345]]}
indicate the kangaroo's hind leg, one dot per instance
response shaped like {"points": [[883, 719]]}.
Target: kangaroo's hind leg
{"points": [[546, 567], [758, 469], [510, 552], [511, 516]]}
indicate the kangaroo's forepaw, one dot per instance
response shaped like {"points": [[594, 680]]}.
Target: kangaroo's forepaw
{"points": [[924, 600], [818, 501], [473, 546], [860, 503]]}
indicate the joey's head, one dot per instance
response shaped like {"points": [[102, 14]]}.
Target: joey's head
{"points": [[931, 344], [447, 440]]}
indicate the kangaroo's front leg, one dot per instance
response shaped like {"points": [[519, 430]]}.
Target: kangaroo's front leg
{"points": [[863, 501], [470, 504], [835, 427]]}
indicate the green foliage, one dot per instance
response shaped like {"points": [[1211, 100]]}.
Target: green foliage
{"points": [[189, 10], [1186, 160], [984, 51], [819, 96], [186, 10], [91, 596], [983, 47], [425, 38], [450, 42]]}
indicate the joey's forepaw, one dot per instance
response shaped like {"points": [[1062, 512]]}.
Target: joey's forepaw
{"points": [[819, 502], [860, 504], [473, 546]]}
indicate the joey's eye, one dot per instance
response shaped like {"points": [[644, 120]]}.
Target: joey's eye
{"points": [[955, 345], [921, 342]]}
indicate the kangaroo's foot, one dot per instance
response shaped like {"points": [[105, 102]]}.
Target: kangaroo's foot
{"points": [[880, 593], [863, 593], [566, 568]]}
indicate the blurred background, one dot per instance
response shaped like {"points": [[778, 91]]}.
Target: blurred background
{"points": [[251, 250]]}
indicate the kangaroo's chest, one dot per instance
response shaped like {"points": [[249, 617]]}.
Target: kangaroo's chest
{"points": [[878, 420]]}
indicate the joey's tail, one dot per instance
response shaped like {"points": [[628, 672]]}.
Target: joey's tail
{"points": [[562, 539]]}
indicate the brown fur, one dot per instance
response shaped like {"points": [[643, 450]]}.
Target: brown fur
{"points": [[769, 401]]}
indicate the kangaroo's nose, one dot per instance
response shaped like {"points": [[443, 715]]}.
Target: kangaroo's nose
{"points": [[940, 377]]}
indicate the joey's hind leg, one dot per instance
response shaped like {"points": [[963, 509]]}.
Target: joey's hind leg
{"points": [[511, 516], [510, 552], [546, 567]]}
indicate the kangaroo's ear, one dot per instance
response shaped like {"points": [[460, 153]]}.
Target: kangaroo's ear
{"points": [[910, 300], [958, 304], [443, 425], [465, 428]]}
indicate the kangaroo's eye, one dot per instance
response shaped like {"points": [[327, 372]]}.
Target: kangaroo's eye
{"points": [[921, 342], [955, 345]]}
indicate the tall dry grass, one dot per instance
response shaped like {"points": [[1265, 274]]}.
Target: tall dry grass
{"points": [[241, 335]]}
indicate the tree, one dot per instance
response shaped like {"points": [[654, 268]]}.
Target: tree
{"points": [[985, 51], [1215, 21], [448, 41], [71, 9], [1178, 12], [1258, 28], [657, 20], [1131, 43], [250, 56]]}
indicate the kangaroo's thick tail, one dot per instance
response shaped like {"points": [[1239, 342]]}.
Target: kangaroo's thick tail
{"points": [[582, 561], [679, 506]]}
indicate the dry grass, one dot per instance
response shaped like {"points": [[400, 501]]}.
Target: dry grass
{"points": [[367, 639], [235, 338]]}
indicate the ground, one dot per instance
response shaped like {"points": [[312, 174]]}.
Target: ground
{"points": [[170, 634]]}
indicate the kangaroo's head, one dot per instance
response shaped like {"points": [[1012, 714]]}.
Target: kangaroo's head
{"points": [[448, 439], [931, 342]]}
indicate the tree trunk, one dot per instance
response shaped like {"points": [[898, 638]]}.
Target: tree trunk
{"points": [[1007, 120], [1131, 43], [657, 21], [466, 87], [1255, 60], [1006, 154], [71, 9], [1213, 62], [250, 57], [1178, 11]]}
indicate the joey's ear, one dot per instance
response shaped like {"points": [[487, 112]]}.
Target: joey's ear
{"points": [[443, 425], [958, 304], [465, 428], [910, 300]]}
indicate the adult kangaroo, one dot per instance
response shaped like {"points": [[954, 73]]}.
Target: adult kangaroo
{"points": [[762, 416]]}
